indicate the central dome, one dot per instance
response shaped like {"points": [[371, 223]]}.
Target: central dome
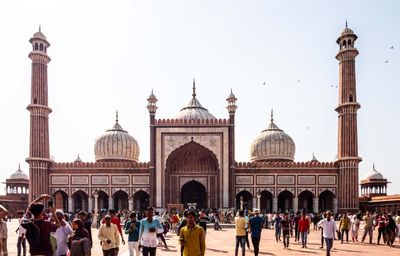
{"points": [[273, 144], [116, 144], [194, 110]]}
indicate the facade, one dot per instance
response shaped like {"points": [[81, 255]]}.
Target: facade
{"points": [[17, 190], [192, 157]]}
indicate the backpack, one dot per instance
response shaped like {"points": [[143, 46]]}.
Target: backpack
{"points": [[32, 233]]}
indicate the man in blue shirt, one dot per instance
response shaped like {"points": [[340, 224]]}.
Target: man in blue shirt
{"points": [[255, 225], [131, 228], [148, 233]]}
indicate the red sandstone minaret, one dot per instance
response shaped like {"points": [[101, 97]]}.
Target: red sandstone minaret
{"points": [[348, 158], [39, 155]]}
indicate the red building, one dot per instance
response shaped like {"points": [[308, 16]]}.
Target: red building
{"points": [[192, 157]]}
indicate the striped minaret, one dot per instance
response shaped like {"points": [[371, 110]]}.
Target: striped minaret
{"points": [[39, 155], [348, 158]]}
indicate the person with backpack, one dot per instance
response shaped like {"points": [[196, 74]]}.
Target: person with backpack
{"points": [[38, 230]]}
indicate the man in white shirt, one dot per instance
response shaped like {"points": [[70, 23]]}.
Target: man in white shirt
{"points": [[148, 233], [329, 229], [21, 235], [62, 234]]}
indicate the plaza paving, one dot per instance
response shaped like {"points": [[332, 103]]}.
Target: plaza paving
{"points": [[223, 243]]}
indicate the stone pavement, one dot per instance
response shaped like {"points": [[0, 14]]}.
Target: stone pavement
{"points": [[223, 243]]}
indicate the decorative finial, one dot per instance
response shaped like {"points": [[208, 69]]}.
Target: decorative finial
{"points": [[194, 89], [19, 166], [346, 23], [272, 115], [116, 116], [373, 167], [40, 28]]}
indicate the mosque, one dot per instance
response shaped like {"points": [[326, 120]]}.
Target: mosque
{"points": [[192, 157]]}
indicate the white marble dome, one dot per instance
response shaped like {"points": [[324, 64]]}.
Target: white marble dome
{"points": [[194, 110], [19, 175], [116, 145], [273, 144], [373, 174]]}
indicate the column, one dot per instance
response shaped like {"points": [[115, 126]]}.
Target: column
{"points": [[110, 202], [259, 203], [295, 204], [90, 204], [335, 205], [96, 209], [254, 203], [70, 204], [316, 204], [274, 204], [131, 203]]}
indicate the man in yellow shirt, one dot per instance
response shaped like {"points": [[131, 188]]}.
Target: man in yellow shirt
{"points": [[344, 226], [240, 225], [192, 237]]}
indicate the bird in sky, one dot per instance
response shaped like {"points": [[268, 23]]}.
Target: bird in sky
{"points": [[331, 85], [298, 81], [308, 127], [391, 47], [264, 83], [386, 61]]}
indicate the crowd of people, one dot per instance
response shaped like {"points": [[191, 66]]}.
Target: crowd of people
{"points": [[51, 232]]}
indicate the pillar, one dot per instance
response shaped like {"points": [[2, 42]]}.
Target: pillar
{"points": [[90, 204], [259, 202], [254, 203], [295, 204], [274, 204], [70, 204], [131, 203], [316, 204], [110, 202], [335, 205]]}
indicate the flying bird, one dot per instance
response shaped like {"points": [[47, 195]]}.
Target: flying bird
{"points": [[264, 83], [391, 47], [331, 85], [386, 61], [298, 81]]}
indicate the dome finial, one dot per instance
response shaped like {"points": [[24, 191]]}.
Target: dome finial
{"points": [[373, 167], [19, 167], [272, 115], [116, 116], [40, 28], [194, 89], [346, 23]]}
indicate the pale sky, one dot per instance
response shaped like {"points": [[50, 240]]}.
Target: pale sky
{"points": [[108, 55]]}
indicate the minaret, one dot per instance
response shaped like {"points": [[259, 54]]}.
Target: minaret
{"points": [[39, 151], [348, 158], [152, 108], [231, 110]]}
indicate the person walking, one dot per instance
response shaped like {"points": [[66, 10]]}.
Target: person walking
{"points": [[62, 234], [3, 237], [147, 233], [21, 243], [344, 226], [367, 227], [192, 237], [286, 226], [240, 226], [355, 225], [109, 237], [79, 242], [117, 222], [277, 225], [329, 229], [255, 228], [160, 231], [381, 223], [304, 229], [203, 220], [87, 224], [132, 227]]}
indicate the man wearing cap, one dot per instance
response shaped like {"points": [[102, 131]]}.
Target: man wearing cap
{"points": [[62, 234], [115, 220], [255, 226], [109, 237], [147, 233]]}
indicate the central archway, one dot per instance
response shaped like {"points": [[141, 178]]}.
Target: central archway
{"points": [[306, 201], [285, 201], [120, 200], [193, 193]]}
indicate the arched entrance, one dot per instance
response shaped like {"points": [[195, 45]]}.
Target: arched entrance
{"points": [[266, 201], [285, 201], [103, 200], [61, 200], [326, 201], [247, 198], [141, 201], [306, 201], [192, 160], [80, 201], [121, 200], [193, 193]]}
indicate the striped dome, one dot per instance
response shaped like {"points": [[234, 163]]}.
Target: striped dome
{"points": [[273, 144], [116, 144]]}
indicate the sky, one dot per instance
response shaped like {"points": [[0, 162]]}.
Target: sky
{"points": [[109, 55]]}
